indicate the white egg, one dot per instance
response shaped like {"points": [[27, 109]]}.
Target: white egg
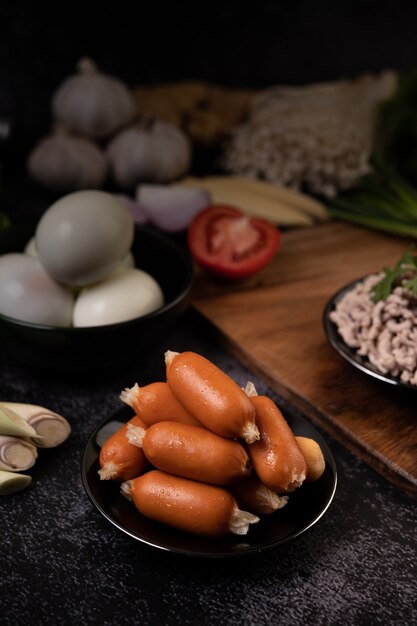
{"points": [[83, 236], [128, 261], [30, 248], [28, 293], [126, 294]]}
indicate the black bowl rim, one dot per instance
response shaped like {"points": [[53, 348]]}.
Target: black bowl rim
{"points": [[79, 330]]}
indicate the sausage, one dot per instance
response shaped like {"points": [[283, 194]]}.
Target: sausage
{"points": [[187, 505], [119, 459], [192, 452], [313, 456], [252, 495], [211, 396], [156, 402], [276, 457]]}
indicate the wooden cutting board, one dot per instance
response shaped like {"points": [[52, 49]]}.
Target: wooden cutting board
{"points": [[273, 323]]}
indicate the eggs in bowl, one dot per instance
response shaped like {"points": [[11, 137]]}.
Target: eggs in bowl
{"points": [[111, 344]]}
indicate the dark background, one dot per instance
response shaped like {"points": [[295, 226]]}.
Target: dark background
{"points": [[63, 562], [253, 44], [230, 43]]}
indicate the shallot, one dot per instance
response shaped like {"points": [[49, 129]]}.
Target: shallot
{"points": [[171, 208]]}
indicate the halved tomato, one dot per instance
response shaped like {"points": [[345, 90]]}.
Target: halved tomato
{"points": [[231, 244]]}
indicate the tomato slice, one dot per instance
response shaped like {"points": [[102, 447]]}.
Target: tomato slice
{"points": [[230, 244]]}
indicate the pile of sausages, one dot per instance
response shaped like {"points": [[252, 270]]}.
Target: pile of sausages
{"points": [[203, 455]]}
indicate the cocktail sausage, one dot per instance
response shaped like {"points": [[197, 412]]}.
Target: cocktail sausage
{"points": [[276, 457], [156, 402], [119, 459], [211, 396], [187, 505], [313, 455], [192, 452], [254, 496]]}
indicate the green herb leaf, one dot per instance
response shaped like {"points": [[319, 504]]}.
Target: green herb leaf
{"points": [[404, 273]]}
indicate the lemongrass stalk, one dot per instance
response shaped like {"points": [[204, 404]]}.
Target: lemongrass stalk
{"points": [[10, 482], [12, 424], [16, 454], [51, 429]]}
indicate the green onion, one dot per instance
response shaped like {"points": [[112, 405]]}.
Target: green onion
{"points": [[383, 201]]}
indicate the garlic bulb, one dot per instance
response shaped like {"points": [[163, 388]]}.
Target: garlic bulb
{"points": [[92, 103], [156, 152], [63, 162]]}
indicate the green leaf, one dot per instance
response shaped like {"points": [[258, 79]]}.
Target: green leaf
{"points": [[397, 275], [382, 290]]}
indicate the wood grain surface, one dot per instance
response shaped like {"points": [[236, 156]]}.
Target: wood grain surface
{"points": [[273, 323]]}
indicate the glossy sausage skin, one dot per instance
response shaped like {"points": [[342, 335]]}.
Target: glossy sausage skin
{"points": [[194, 452], [211, 396], [156, 402], [184, 504], [276, 457], [119, 459]]}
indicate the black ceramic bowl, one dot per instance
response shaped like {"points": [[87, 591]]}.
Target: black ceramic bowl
{"points": [[102, 347]]}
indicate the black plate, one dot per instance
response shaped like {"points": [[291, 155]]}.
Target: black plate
{"points": [[304, 509], [349, 354]]}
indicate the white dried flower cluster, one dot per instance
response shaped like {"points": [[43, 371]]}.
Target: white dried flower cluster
{"points": [[319, 136], [384, 332]]}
